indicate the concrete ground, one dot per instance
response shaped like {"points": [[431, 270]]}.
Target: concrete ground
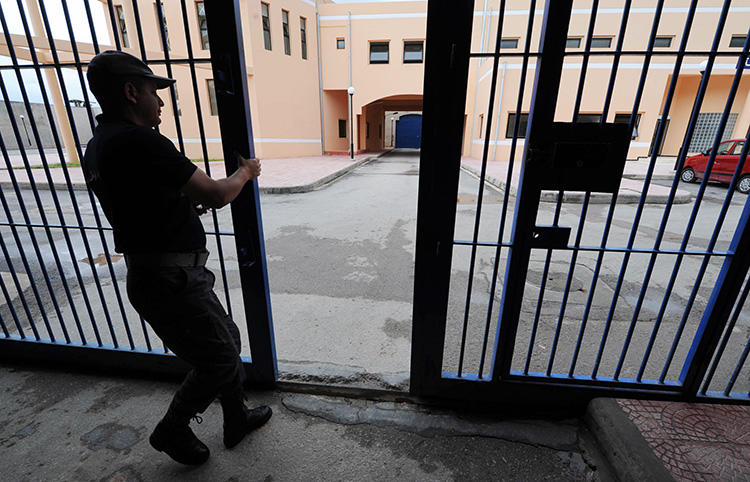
{"points": [[67, 426]]}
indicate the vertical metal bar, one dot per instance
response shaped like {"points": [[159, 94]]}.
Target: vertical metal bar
{"points": [[230, 76], [449, 27], [30, 174], [115, 24], [140, 318], [613, 204], [725, 339], [2, 324], [66, 173], [84, 90], [173, 88], [642, 200], [511, 165], [707, 174], [53, 190], [586, 198], [660, 132], [91, 25], [480, 197], [737, 369], [19, 244], [542, 113], [14, 277], [719, 307], [139, 29], [206, 164], [493, 283]]}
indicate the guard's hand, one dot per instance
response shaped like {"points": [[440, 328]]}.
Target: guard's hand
{"points": [[252, 165]]}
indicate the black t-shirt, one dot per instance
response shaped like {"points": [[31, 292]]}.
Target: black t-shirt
{"points": [[137, 175]]}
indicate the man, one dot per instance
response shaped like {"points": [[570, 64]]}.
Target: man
{"points": [[149, 191]]}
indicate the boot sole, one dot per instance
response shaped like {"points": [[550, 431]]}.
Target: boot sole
{"points": [[259, 423], [161, 447]]}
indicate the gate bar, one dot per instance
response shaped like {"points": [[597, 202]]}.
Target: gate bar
{"points": [[541, 115], [660, 132], [480, 193], [230, 81], [94, 208], [449, 27], [206, 164]]}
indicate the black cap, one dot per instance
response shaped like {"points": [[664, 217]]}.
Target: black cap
{"points": [[111, 64]]}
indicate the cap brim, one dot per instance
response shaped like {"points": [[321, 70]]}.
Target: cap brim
{"points": [[162, 82]]}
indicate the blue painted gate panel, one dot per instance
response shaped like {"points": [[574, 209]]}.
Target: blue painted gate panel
{"points": [[409, 131]]}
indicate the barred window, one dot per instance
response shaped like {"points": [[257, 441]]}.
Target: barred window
{"points": [[161, 24], [212, 97]]}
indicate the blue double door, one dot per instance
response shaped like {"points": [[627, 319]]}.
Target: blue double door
{"points": [[409, 131]]}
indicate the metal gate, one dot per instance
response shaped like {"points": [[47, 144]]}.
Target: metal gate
{"points": [[570, 281], [409, 131], [62, 285]]}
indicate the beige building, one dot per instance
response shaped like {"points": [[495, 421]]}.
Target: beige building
{"points": [[302, 58]]}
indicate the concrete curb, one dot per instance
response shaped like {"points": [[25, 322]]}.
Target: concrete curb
{"points": [[323, 180], [79, 186], [681, 197], [622, 444]]}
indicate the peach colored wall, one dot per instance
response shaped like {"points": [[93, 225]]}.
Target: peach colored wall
{"points": [[284, 90], [335, 105], [598, 73]]}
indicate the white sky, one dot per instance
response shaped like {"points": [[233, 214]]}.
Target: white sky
{"points": [[56, 16]]}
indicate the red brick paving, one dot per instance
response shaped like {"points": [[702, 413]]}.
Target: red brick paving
{"points": [[701, 442]]}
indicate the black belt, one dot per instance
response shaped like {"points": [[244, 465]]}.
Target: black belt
{"points": [[183, 260]]}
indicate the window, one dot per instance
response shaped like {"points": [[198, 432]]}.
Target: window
{"points": [[212, 97], [625, 119], [340, 43], [378, 52], [573, 43], [367, 130], [342, 128], [285, 29], [738, 148], [413, 52], [601, 42], [161, 24], [589, 118], [723, 148], [737, 41], [122, 26], [523, 121], [200, 9], [481, 124], [177, 100], [663, 42], [303, 36], [509, 43], [266, 25], [706, 128]]}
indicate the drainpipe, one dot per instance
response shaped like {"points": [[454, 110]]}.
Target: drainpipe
{"points": [[499, 110], [350, 91], [320, 84]]}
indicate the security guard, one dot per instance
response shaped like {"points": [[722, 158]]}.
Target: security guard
{"points": [[149, 192]]}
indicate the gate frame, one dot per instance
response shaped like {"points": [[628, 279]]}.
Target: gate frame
{"points": [[228, 64], [449, 30]]}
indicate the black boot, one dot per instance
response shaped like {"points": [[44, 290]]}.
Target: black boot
{"points": [[239, 420], [173, 436]]}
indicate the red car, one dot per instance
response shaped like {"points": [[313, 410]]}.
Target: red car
{"points": [[727, 157]]}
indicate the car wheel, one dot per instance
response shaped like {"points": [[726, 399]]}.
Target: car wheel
{"points": [[743, 185], [687, 175]]}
